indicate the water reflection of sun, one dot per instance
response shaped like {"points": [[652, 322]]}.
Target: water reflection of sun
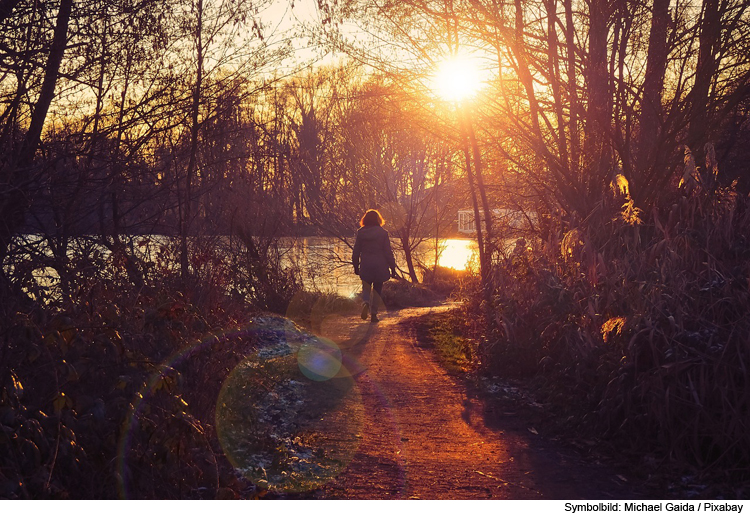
{"points": [[457, 253]]}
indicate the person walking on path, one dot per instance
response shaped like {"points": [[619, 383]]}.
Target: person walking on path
{"points": [[373, 261]]}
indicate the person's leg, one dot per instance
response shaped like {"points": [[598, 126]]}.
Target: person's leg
{"points": [[366, 288], [377, 297]]}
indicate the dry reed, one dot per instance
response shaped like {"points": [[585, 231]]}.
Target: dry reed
{"points": [[640, 326]]}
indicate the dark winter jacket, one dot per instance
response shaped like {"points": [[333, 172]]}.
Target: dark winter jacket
{"points": [[372, 255]]}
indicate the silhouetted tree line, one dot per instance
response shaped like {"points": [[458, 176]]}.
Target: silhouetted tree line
{"points": [[122, 119]]}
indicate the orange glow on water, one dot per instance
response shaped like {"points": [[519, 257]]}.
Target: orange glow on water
{"points": [[457, 253]]}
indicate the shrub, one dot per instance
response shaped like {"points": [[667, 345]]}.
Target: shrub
{"points": [[641, 324], [445, 281], [402, 294], [109, 378], [310, 308]]}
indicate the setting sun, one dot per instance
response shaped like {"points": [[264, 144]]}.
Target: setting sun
{"points": [[457, 79]]}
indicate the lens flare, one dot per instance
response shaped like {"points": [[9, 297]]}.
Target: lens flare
{"points": [[288, 417], [290, 425], [319, 360]]}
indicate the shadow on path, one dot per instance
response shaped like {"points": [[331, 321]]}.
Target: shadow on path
{"points": [[424, 436]]}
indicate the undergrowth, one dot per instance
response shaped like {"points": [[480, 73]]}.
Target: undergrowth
{"points": [[438, 284], [111, 365], [637, 328], [109, 377]]}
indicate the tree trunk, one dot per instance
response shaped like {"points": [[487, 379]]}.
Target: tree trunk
{"points": [[570, 35], [409, 260], [484, 262], [17, 176], [598, 121], [553, 65], [194, 125], [656, 67], [650, 155], [709, 42]]}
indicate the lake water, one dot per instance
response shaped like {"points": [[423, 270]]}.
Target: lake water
{"points": [[325, 262]]}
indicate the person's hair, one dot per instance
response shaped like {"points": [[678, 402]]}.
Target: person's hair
{"points": [[372, 218]]}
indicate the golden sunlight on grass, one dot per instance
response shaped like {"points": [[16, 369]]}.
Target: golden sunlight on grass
{"points": [[457, 79]]}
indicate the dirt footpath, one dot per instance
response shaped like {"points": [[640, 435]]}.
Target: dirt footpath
{"points": [[420, 436]]}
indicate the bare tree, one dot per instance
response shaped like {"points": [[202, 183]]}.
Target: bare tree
{"points": [[18, 172]]}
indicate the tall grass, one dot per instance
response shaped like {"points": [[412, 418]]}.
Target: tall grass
{"points": [[639, 324]]}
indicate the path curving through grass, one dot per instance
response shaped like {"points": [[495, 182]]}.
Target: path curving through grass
{"points": [[420, 435]]}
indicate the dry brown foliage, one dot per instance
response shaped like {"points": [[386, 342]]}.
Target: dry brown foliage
{"points": [[640, 327]]}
